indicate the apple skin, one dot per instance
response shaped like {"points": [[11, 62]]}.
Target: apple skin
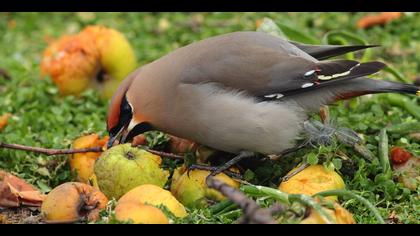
{"points": [[71, 62], [312, 180], [83, 163], [117, 57], [122, 168], [191, 189], [154, 195], [71, 201], [339, 214], [140, 213], [98, 57]]}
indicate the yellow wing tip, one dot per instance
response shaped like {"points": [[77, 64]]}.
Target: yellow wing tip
{"points": [[418, 93]]}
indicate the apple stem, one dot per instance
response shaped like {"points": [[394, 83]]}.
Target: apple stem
{"points": [[47, 151]]}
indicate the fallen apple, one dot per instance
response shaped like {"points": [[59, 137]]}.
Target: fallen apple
{"points": [[98, 57], [117, 57], [83, 163], [312, 180], [122, 168], [140, 213], [154, 195], [339, 214], [72, 202], [71, 62], [191, 189]]}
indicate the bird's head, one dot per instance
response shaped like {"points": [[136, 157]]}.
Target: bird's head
{"points": [[123, 123]]}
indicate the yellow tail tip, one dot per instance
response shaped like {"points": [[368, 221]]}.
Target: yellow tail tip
{"points": [[418, 93]]}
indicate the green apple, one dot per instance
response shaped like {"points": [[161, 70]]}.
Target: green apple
{"points": [[122, 168]]}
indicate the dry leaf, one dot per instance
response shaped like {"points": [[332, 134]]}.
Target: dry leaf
{"points": [[15, 192]]}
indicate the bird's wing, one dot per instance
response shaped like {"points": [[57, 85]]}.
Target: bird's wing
{"points": [[265, 66], [322, 52]]}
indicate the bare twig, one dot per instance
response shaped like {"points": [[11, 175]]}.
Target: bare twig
{"points": [[253, 214], [49, 152], [295, 172], [163, 154]]}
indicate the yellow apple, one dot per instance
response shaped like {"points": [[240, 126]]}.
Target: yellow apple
{"points": [[140, 213], [312, 180], [154, 195], [191, 189], [83, 163], [339, 214], [71, 202]]}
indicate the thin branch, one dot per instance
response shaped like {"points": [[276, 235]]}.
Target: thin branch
{"points": [[49, 152], [253, 214], [295, 172], [163, 154]]}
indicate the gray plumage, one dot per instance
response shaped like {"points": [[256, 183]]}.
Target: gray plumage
{"points": [[244, 91]]}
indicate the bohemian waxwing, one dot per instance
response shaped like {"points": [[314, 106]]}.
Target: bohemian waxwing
{"points": [[242, 91]]}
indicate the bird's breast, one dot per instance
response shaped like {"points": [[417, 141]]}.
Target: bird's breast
{"points": [[231, 121]]}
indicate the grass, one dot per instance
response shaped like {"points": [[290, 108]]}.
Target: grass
{"points": [[43, 118]]}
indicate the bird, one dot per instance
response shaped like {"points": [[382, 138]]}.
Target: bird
{"points": [[241, 92]]}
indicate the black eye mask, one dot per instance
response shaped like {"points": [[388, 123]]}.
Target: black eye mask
{"points": [[126, 113]]}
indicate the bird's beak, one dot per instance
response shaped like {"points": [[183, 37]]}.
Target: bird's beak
{"points": [[120, 136], [127, 133]]}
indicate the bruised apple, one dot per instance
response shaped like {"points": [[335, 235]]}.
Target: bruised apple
{"points": [[72, 202], [98, 57]]}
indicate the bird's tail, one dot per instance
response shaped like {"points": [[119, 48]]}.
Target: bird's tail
{"points": [[364, 86]]}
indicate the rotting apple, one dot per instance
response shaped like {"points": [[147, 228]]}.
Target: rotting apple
{"points": [[117, 57], [122, 168], [83, 163], [140, 213], [98, 57], [72, 202], [312, 180], [191, 189], [154, 195], [71, 62]]}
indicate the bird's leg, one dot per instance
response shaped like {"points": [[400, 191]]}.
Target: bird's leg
{"points": [[293, 149], [242, 155], [288, 151]]}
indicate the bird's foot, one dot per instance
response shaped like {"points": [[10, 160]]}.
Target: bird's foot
{"points": [[222, 168]]}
